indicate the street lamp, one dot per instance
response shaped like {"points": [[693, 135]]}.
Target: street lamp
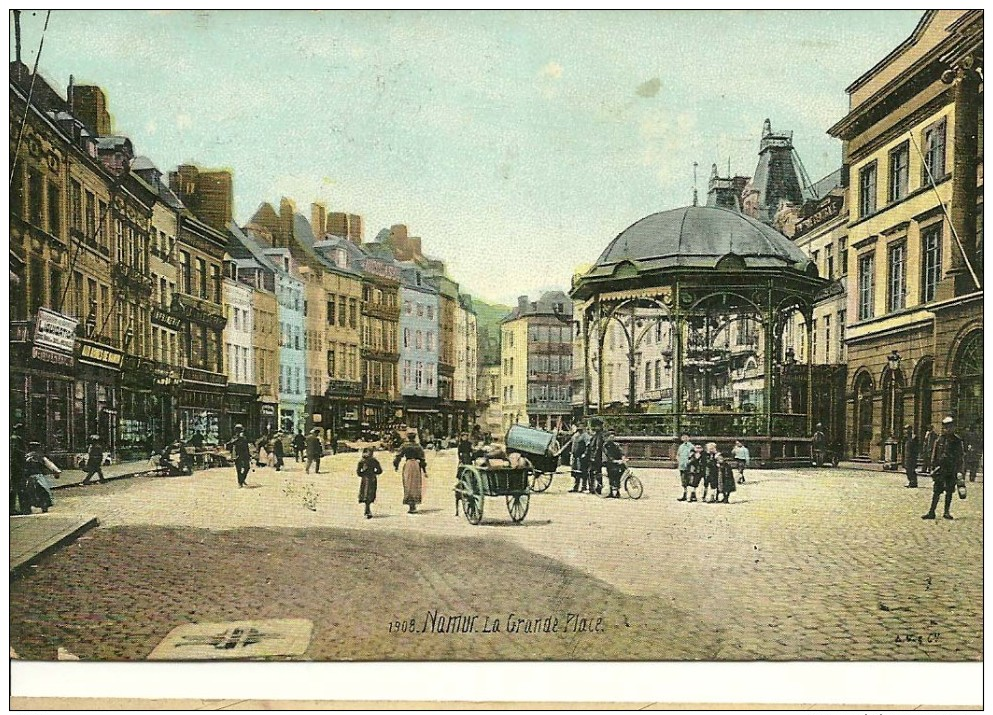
{"points": [[890, 446]]}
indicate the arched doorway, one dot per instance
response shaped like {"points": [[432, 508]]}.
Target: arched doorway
{"points": [[863, 415], [968, 375], [892, 389], [922, 396]]}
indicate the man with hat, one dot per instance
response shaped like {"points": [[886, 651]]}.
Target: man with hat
{"points": [[277, 450], [241, 453], [595, 451], [94, 460], [315, 450], [818, 444], [614, 461], [947, 462]]}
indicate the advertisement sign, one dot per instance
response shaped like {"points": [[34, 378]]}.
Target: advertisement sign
{"points": [[55, 331]]}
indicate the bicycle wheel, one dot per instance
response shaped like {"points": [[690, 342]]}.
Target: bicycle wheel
{"points": [[633, 486]]}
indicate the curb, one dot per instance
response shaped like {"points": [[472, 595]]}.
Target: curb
{"points": [[19, 569]]}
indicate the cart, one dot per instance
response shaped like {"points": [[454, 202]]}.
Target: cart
{"points": [[541, 450], [475, 483]]}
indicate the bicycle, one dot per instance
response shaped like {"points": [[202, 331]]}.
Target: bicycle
{"points": [[632, 485]]}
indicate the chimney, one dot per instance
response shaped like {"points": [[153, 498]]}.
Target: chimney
{"points": [[89, 103], [522, 303], [286, 211], [318, 218]]}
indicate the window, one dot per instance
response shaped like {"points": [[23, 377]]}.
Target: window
{"points": [[215, 278], [35, 197], [930, 261], [815, 257], [420, 375], [78, 306], [430, 310], [419, 339], [330, 309], [406, 337], [829, 261], [648, 376], [420, 310], [185, 279], [867, 268], [658, 374], [54, 209], [867, 190], [17, 192], [897, 278], [899, 171], [353, 313], [934, 153], [55, 288], [407, 307], [76, 206], [813, 340], [843, 256], [430, 340], [827, 338], [201, 278], [331, 363]]}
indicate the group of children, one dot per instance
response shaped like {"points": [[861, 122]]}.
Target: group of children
{"points": [[704, 464]]}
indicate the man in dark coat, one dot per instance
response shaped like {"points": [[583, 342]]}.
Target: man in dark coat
{"points": [[818, 444], [613, 458], [18, 484], [948, 462], [299, 445], [277, 451], [94, 460], [973, 450], [911, 451], [927, 447], [315, 450], [464, 449], [578, 456], [241, 453], [595, 451]]}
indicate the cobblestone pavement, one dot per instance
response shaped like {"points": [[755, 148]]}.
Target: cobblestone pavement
{"points": [[803, 564]]}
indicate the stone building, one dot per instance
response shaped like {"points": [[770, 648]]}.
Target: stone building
{"points": [[419, 326], [912, 166]]}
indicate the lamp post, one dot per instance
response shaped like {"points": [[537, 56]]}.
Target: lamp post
{"points": [[891, 445]]}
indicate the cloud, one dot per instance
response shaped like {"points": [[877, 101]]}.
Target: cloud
{"points": [[649, 88], [553, 70]]}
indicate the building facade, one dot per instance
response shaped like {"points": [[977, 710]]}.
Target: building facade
{"points": [[239, 351], [419, 306], [913, 169], [292, 352]]}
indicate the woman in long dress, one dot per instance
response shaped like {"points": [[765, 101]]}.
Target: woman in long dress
{"points": [[368, 470], [414, 471]]}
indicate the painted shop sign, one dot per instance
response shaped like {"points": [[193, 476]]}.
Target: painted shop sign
{"points": [[52, 356], [55, 331], [166, 319], [381, 269], [192, 374], [100, 355], [826, 210], [345, 388]]}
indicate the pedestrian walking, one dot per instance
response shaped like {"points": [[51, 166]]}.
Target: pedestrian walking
{"points": [[414, 471], [711, 479], [238, 446], [464, 449], [741, 458], [262, 449], [368, 470], [579, 459], [17, 454], [613, 459], [299, 445], [315, 450], [277, 451], [38, 490], [948, 462], [927, 448], [725, 473], [694, 469], [818, 445], [595, 448], [683, 463], [911, 451], [94, 460], [973, 442]]}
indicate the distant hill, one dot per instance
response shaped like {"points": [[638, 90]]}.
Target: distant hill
{"points": [[488, 317]]}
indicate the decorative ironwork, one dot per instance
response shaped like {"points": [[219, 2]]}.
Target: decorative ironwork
{"points": [[132, 279]]}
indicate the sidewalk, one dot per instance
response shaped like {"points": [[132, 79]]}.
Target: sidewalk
{"points": [[33, 536], [121, 470]]}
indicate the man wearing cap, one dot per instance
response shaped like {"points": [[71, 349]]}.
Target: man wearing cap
{"points": [[595, 450], [94, 460], [947, 462], [911, 450], [613, 458], [315, 450], [241, 453]]}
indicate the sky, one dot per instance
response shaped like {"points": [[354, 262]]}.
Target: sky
{"points": [[516, 144]]}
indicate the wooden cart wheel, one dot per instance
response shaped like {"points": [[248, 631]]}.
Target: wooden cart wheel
{"points": [[472, 500], [517, 505], [541, 481], [632, 485]]}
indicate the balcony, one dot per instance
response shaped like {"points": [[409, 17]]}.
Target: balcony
{"points": [[132, 279], [381, 311], [377, 353], [202, 311]]}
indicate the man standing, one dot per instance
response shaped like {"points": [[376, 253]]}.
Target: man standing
{"points": [[277, 451], [742, 457], [911, 450], [299, 445], [464, 449], [613, 458], [577, 448], [18, 483], [973, 450], [315, 450], [818, 444], [241, 453], [948, 462], [683, 462], [927, 447], [595, 451]]}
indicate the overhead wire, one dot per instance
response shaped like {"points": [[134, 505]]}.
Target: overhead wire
{"points": [[27, 107]]}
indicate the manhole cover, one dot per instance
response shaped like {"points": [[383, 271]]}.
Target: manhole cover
{"points": [[235, 639]]}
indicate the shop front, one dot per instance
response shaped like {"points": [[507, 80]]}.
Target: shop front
{"points": [[201, 405], [340, 405], [42, 377], [239, 403], [96, 397]]}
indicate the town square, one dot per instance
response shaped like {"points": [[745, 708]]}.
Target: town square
{"points": [[439, 336]]}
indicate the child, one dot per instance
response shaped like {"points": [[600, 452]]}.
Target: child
{"points": [[725, 477], [695, 464], [711, 479], [368, 469]]}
